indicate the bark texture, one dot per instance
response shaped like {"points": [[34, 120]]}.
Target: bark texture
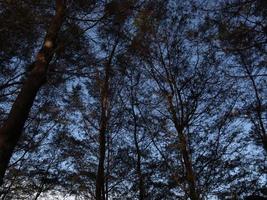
{"points": [[12, 128]]}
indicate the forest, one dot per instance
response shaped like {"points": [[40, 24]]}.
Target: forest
{"points": [[133, 99]]}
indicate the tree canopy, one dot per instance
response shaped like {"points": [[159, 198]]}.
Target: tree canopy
{"points": [[133, 99]]}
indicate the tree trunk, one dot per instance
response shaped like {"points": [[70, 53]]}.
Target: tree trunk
{"points": [[259, 107], [139, 170], [138, 152], [108, 166], [100, 177], [190, 176], [12, 128], [100, 195]]}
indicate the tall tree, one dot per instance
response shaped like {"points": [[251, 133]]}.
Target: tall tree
{"points": [[239, 32], [12, 128]]}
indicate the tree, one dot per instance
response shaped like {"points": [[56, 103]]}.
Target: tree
{"points": [[240, 34], [143, 100], [11, 130]]}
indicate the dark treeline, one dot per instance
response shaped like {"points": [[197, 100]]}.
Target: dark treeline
{"points": [[133, 99]]}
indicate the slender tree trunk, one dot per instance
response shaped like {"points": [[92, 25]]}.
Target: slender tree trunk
{"points": [[190, 176], [108, 166], [100, 171], [179, 126], [39, 192], [189, 169], [138, 152], [139, 170], [12, 128], [259, 107], [100, 177]]}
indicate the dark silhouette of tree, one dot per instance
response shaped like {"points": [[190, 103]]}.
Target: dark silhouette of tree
{"points": [[11, 129], [131, 99]]}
